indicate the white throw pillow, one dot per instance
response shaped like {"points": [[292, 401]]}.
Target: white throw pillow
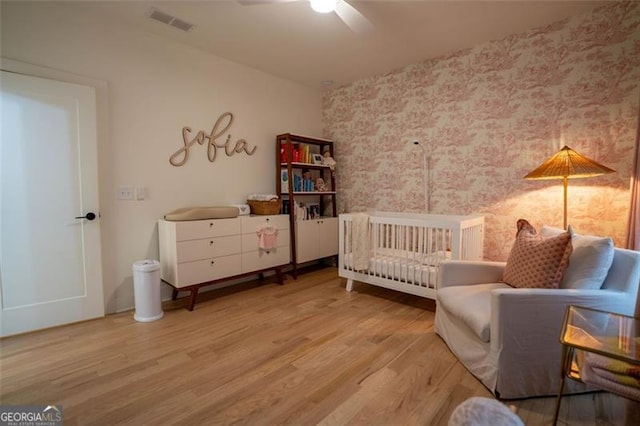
{"points": [[589, 262]]}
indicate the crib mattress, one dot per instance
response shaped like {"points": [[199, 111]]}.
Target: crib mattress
{"points": [[398, 268]]}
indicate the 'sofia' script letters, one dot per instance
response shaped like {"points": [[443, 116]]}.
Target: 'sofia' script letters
{"points": [[223, 123]]}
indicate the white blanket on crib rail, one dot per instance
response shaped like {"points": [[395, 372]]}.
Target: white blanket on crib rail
{"points": [[360, 233]]}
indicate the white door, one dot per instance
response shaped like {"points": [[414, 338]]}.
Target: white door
{"points": [[50, 262]]}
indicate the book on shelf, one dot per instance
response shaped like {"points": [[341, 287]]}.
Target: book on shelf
{"points": [[297, 181], [307, 211], [284, 180]]}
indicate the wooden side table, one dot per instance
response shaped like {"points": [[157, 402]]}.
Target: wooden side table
{"points": [[609, 335]]}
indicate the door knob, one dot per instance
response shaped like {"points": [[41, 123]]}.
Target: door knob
{"points": [[88, 216]]}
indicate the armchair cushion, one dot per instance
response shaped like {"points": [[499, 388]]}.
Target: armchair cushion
{"points": [[471, 304], [536, 261], [589, 262]]}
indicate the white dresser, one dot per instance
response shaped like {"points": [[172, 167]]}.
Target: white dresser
{"points": [[197, 253]]}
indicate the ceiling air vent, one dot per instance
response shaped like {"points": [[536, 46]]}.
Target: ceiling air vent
{"points": [[165, 18]]}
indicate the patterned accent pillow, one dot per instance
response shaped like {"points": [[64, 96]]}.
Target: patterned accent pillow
{"points": [[536, 261]]}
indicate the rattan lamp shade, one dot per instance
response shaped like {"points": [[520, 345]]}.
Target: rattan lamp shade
{"points": [[570, 164], [567, 164]]}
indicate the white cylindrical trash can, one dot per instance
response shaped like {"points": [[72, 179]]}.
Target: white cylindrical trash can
{"points": [[146, 289]]}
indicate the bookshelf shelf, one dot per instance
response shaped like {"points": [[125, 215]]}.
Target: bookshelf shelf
{"points": [[312, 193]]}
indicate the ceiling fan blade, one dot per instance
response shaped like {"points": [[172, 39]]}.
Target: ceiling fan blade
{"points": [[258, 2], [354, 19]]}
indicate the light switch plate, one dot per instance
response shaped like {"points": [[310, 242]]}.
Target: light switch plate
{"points": [[141, 192]]}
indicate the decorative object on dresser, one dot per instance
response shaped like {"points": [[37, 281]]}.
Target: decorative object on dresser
{"points": [[243, 209], [198, 253], [304, 179], [264, 204], [402, 251]]}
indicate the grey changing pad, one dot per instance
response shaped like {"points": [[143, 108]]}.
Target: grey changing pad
{"points": [[200, 213]]}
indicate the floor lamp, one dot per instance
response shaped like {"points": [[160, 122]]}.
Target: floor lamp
{"points": [[425, 177], [567, 164]]}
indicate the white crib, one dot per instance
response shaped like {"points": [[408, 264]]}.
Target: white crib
{"points": [[405, 249]]}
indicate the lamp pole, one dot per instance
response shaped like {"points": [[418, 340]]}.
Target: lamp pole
{"points": [[565, 184], [425, 177]]}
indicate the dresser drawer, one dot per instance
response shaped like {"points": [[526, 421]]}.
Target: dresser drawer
{"points": [[263, 259], [196, 229], [251, 223], [201, 271], [207, 248]]}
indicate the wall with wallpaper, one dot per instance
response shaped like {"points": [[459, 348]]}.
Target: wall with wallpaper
{"points": [[489, 115]]}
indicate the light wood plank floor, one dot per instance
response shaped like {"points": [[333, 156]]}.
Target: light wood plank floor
{"points": [[304, 353]]}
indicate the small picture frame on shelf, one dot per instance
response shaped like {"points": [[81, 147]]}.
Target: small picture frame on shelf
{"points": [[313, 211], [317, 158]]}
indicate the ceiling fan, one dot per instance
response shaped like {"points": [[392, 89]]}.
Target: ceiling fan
{"points": [[349, 14]]}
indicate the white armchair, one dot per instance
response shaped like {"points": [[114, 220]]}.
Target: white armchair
{"points": [[509, 337]]}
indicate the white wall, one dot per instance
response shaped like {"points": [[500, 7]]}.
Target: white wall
{"points": [[155, 87]]}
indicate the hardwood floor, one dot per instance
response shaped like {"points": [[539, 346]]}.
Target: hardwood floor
{"points": [[304, 353]]}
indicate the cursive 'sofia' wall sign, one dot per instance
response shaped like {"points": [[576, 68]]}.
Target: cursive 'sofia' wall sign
{"points": [[223, 123]]}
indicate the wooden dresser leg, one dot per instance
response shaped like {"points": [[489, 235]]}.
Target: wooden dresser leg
{"points": [[174, 294], [192, 298], [279, 276]]}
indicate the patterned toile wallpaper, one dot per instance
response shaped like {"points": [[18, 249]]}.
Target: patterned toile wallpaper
{"points": [[489, 115]]}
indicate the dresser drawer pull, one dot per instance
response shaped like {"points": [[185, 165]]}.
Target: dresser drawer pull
{"points": [[210, 243], [210, 224], [212, 262]]}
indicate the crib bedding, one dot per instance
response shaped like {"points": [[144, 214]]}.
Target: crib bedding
{"points": [[398, 268]]}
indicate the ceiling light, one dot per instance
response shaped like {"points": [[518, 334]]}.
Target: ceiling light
{"points": [[323, 6]]}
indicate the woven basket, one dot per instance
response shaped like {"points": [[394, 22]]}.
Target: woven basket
{"points": [[264, 207]]}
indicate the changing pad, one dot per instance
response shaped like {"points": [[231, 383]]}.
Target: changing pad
{"points": [[201, 213]]}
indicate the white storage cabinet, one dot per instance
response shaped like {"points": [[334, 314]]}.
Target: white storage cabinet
{"points": [[316, 238]]}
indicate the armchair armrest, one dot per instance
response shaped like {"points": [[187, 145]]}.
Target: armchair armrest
{"points": [[468, 272], [531, 319], [525, 330]]}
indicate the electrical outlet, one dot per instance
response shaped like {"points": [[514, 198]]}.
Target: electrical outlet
{"points": [[125, 193]]}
